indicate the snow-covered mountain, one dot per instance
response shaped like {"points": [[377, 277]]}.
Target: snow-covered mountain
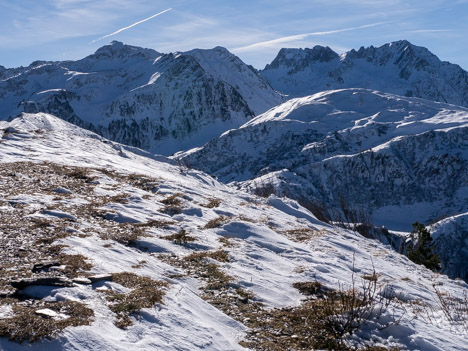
{"points": [[450, 237], [233, 283], [159, 102], [401, 159], [400, 68]]}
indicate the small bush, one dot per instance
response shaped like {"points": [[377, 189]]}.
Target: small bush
{"points": [[322, 321], [173, 204]]}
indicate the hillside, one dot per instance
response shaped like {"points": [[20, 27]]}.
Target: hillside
{"points": [[204, 266], [399, 159]]}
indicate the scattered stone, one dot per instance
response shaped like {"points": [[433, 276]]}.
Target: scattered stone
{"points": [[243, 299], [47, 312], [46, 281], [44, 266], [100, 277], [82, 280], [6, 293], [59, 214], [61, 190], [58, 268]]}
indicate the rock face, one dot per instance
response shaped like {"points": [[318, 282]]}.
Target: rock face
{"points": [[399, 68], [158, 102]]}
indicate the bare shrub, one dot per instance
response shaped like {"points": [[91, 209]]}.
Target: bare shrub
{"points": [[354, 218], [323, 320], [454, 308], [124, 233], [265, 189]]}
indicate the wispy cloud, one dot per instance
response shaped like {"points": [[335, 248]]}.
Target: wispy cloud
{"points": [[132, 25], [300, 37], [430, 31]]}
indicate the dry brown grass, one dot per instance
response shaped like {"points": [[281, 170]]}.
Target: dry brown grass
{"points": [[198, 257], [212, 203], [303, 234], [154, 223], [180, 238], [201, 265], [124, 233], [216, 222], [172, 204], [173, 199], [145, 293], [27, 325], [321, 322]]}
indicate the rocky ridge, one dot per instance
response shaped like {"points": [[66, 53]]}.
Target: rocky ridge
{"points": [[399, 67]]}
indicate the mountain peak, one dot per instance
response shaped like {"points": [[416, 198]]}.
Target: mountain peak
{"points": [[321, 53], [301, 58], [119, 50]]}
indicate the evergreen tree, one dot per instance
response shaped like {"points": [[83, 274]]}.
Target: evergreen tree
{"points": [[422, 252]]}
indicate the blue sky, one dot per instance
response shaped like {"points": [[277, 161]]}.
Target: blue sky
{"points": [[254, 30]]}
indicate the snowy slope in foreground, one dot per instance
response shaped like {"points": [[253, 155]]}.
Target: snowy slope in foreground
{"points": [[263, 257]]}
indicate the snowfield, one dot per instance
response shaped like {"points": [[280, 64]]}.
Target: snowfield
{"points": [[265, 256]]}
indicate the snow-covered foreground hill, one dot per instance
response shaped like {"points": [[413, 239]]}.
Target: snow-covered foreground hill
{"points": [[159, 102], [224, 262], [401, 159], [399, 68]]}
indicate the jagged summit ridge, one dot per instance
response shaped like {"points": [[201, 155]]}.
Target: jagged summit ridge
{"points": [[300, 58], [398, 67]]}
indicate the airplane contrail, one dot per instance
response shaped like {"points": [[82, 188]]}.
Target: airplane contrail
{"points": [[130, 26], [299, 37]]}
